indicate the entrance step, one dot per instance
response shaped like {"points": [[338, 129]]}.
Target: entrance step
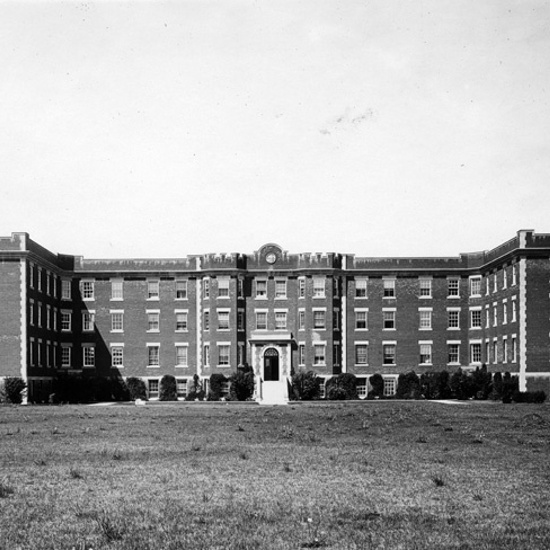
{"points": [[274, 393]]}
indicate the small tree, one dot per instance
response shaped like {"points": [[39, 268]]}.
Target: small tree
{"points": [[342, 386], [194, 389], [168, 388], [217, 382], [242, 384], [510, 384], [306, 386], [377, 384], [136, 388], [408, 386], [496, 387], [13, 388]]}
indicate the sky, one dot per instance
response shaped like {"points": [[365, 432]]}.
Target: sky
{"points": [[372, 127]]}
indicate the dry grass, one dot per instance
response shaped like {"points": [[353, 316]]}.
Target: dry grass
{"points": [[338, 475]]}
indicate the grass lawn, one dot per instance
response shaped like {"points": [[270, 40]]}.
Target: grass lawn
{"points": [[338, 475]]}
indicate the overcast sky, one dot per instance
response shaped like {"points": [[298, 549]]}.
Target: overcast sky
{"points": [[380, 128]]}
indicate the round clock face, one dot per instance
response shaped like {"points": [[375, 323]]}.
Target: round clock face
{"points": [[270, 258]]}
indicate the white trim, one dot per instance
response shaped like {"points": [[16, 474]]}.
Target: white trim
{"points": [[522, 318]]}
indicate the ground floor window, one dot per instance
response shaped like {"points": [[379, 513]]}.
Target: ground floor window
{"points": [[153, 388], [322, 389], [362, 387], [181, 387], [390, 386]]}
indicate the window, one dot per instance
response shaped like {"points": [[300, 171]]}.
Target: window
{"points": [[495, 282], [153, 321], [66, 321], [48, 283], [206, 288], [181, 387], [453, 318], [117, 289], [206, 355], [504, 278], [318, 287], [514, 310], [280, 320], [453, 288], [389, 288], [240, 288], [361, 354], [504, 312], [261, 320], [223, 319], [319, 318], [117, 355], [362, 387], [261, 289], [319, 354], [153, 290], [453, 353], [336, 353], [48, 353], [336, 287], [39, 274], [88, 321], [514, 279], [514, 349], [55, 318], [65, 289], [388, 353], [475, 352], [361, 287], [301, 354], [336, 319], [361, 319], [240, 319], [54, 284], [487, 351], [280, 289], [505, 350], [153, 355], [206, 319], [475, 286], [425, 319], [301, 319], [39, 314], [31, 312], [88, 356], [87, 290], [48, 317], [487, 317], [475, 318], [153, 388], [223, 287], [390, 386], [240, 353], [495, 315], [117, 321], [495, 351], [65, 356], [39, 352], [181, 356], [301, 287], [487, 285], [388, 319], [181, 321], [223, 355], [31, 275], [425, 288], [425, 353]]}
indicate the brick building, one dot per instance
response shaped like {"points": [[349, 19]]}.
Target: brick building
{"points": [[277, 311]]}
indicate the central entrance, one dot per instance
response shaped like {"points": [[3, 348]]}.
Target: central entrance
{"points": [[271, 365]]}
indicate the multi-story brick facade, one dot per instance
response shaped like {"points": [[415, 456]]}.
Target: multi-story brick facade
{"points": [[277, 311]]}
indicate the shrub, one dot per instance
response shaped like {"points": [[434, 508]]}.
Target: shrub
{"points": [[510, 384], [462, 385], [408, 386], [242, 384], [194, 389], [342, 387], [136, 388], [496, 387], [377, 384], [13, 388], [306, 386], [167, 388], [481, 381], [529, 396], [217, 382]]}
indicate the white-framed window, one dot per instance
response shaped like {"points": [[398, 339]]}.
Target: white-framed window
{"points": [[39, 273], [117, 320], [66, 321], [504, 349], [261, 320], [55, 319], [117, 289], [88, 356], [240, 287], [301, 354], [153, 355], [66, 289], [495, 314], [504, 311], [487, 351], [425, 318], [362, 387], [390, 386], [388, 318], [224, 354], [453, 287], [389, 352], [301, 319], [487, 317], [31, 312], [425, 285], [495, 282], [487, 284], [504, 278], [319, 354], [153, 387], [223, 319], [181, 355], [206, 288], [31, 352], [336, 318], [280, 319], [361, 319], [336, 287], [117, 355], [206, 319], [514, 309], [240, 353], [319, 287], [65, 355], [514, 276], [181, 320], [39, 314], [240, 319], [495, 351], [206, 354], [453, 353], [336, 353], [361, 353], [54, 285], [48, 352], [475, 352], [181, 289], [55, 355], [223, 287], [48, 317], [48, 283], [153, 289], [39, 352], [425, 353], [280, 289], [319, 319], [181, 387], [87, 290], [475, 285], [88, 321], [475, 317], [31, 275], [389, 287], [261, 289], [301, 287], [153, 320], [514, 349], [361, 287]]}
